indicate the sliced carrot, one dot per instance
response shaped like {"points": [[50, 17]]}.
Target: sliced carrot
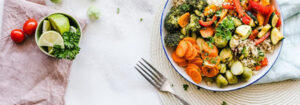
{"points": [[194, 55], [181, 48], [189, 51], [195, 75], [207, 32], [210, 71], [182, 64], [253, 34], [211, 50], [260, 19], [190, 39], [177, 59], [190, 67], [184, 19], [197, 61]]}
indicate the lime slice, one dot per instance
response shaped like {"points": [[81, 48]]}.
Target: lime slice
{"points": [[73, 29], [46, 26], [51, 38], [60, 23], [50, 50]]}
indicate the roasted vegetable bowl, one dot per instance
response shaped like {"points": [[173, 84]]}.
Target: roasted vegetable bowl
{"points": [[222, 45]]}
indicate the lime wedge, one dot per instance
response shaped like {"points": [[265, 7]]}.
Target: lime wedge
{"points": [[51, 38], [50, 50], [60, 23], [46, 26], [73, 29]]}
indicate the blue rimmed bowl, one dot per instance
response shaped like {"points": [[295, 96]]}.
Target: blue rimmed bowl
{"points": [[261, 73]]}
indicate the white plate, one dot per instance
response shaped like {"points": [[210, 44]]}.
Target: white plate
{"points": [[168, 51]]}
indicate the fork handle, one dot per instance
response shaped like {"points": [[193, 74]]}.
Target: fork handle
{"points": [[182, 100]]}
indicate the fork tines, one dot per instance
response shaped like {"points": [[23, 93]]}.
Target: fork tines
{"points": [[151, 74]]}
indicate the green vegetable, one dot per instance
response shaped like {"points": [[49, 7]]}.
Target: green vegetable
{"points": [[93, 13], [220, 42], [180, 9], [264, 30], [194, 25], [185, 87], [244, 31], [232, 79], [172, 40], [56, 1], [273, 19], [183, 31], [223, 68], [253, 21], [198, 4], [226, 55], [276, 36], [234, 41], [71, 41], [247, 74], [237, 22], [171, 22], [59, 22], [225, 28], [118, 10], [237, 68], [245, 52], [221, 81]]}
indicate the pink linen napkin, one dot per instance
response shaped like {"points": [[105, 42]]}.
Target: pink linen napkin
{"points": [[27, 76]]}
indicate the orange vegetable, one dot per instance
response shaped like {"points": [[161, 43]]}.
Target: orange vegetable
{"points": [[190, 50], [258, 67], [211, 50], [177, 59], [210, 71], [194, 55], [184, 19], [195, 75], [197, 61], [190, 67], [182, 64], [253, 34], [181, 48], [207, 32], [264, 62], [260, 19], [190, 39], [210, 9]]}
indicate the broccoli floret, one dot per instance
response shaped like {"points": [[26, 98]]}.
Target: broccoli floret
{"points": [[194, 25], [171, 21], [199, 4], [172, 40]]}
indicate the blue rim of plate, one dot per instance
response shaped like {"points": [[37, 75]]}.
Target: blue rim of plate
{"points": [[165, 51]]}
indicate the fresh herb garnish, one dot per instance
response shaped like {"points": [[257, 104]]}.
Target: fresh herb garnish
{"points": [[224, 103], [210, 42], [118, 10], [225, 28], [218, 13], [71, 49], [185, 87], [141, 19]]}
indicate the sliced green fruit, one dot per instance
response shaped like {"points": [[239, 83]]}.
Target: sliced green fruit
{"points": [[46, 26], [60, 23], [264, 30], [244, 31], [247, 74], [273, 19], [276, 36], [51, 38]]}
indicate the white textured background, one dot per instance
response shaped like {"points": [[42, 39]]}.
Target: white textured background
{"points": [[103, 73]]}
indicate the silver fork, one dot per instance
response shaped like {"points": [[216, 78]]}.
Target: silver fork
{"points": [[158, 80]]}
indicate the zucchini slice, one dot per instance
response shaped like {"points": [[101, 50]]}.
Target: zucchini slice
{"points": [[237, 22], [244, 31], [273, 19], [237, 68], [276, 36], [264, 30], [253, 21]]}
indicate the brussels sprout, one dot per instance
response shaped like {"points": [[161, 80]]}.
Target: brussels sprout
{"points": [[226, 55], [93, 13], [220, 42], [56, 1], [223, 68], [208, 80], [234, 41], [221, 81], [237, 68], [232, 79], [183, 31], [230, 63], [247, 74]]}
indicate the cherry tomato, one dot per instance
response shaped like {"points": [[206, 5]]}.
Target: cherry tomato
{"points": [[17, 35], [30, 26]]}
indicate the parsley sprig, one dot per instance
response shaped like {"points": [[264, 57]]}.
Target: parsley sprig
{"points": [[71, 49], [225, 28]]}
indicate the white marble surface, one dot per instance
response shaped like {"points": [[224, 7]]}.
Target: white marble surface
{"points": [[103, 72]]}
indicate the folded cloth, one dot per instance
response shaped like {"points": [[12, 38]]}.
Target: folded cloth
{"points": [[27, 76], [287, 65]]}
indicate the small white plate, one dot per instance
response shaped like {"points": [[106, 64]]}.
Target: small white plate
{"points": [[261, 73]]}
